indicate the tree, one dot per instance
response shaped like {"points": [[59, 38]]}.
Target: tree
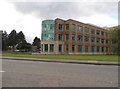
{"points": [[20, 37], [24, 46], [4, 40], [28, 47], [114, 34], [15, 41], [36, 42], [22, 43], [12, 39]]}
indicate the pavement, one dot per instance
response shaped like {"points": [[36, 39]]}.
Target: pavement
{"points": [[50, 74], [66, 61]]}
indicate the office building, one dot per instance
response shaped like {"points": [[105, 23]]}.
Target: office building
{"points": [[73, 37]]}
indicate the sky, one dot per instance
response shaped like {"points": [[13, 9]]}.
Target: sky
{"points": [[27, 16]]}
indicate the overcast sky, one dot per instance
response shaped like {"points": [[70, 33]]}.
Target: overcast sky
{"points": [[27, 16]]}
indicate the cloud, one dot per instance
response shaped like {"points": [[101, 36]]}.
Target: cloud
{"points": [[11, 19], [100, 20], [27, 16], [66, 10]]}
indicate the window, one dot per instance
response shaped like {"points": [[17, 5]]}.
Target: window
{"points": [[79, 48], [79, 29], [73, 27], [60, 48], [107, 49], [92, 39], [106, 41], [51, 47], [60, 27], [44, 26], [51, 26], [86, 38], [98, 33], [79, 38], [42, 37], [92, 48], [67, 48], [106, 34], [73, 37], [92, 31], [67, 37], [102, 41], [98, 48], [98, 40], [60, 37], [67, 27], [86, 48], [102, 49], [51, 37], [46, 47], [45, 35], [86, 30], [102, 33], [73, 48]]}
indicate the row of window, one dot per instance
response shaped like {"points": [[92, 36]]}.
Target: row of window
{"points": [[50, 26], [86, 49], [80, 38], [51, 47], [73, 48], [46, 36], [80, 29]]}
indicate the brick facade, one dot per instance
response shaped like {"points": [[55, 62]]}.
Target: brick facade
{"points": [[75, 38]]}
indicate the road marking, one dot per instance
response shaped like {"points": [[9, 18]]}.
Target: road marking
{"points": [[2, 71]]}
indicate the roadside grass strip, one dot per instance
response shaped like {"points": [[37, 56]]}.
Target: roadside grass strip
{"points": [[91, 57]]}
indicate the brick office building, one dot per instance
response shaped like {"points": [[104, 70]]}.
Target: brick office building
{"points": [[73, 37]]}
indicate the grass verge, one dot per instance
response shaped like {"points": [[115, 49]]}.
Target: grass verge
{"points": [[65, 57]]}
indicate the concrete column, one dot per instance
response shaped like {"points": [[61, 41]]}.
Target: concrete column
{"points": [[56, 47], [43, 48]]}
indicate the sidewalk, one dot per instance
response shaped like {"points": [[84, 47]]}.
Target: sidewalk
{"points": [[66, 61]]}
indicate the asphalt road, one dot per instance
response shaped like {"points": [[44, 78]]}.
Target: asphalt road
{"points": [[47, 74]]}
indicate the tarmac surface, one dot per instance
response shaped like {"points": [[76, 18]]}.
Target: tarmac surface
{"points": [[22, 73]]}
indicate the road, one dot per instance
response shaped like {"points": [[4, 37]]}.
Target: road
{"points": [[47, 74]]}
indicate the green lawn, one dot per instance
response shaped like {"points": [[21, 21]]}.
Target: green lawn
{"points": [[65, 57]]}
